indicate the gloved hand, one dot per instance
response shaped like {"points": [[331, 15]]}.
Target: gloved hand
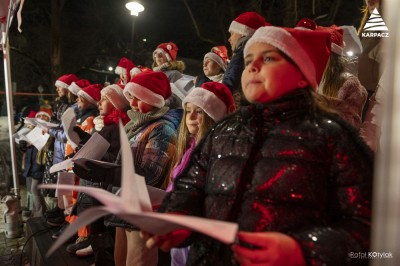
{"points": [[23, 145], [84, 136]]}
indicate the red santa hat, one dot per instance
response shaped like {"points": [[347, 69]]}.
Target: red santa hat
{"points": [[91, 93], [47, 113], [66, 80], [247, 23], [309, 50], [214, 98], [114, 93], [336, 33], [169, 49], [219, 54], [152, 88], [124, 66], [76, 86]]}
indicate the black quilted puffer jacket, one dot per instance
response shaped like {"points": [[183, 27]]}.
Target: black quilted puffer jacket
{"points": [[284, 166]]}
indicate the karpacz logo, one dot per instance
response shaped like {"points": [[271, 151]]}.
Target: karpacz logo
{"points": [[375, 26]]}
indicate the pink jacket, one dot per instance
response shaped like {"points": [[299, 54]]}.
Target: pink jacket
{"points": [[350, 101]]}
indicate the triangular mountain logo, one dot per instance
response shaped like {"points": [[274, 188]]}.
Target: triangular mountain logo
{"points": [[375, 22]]}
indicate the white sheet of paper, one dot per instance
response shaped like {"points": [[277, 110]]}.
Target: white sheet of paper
{"points": [[37, 138], [44, 124], [21, 134], [69, 121], [95, 148], [64, 178], [134, 206]]}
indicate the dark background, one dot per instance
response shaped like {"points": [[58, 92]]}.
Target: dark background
{"points": [[85, 37]]}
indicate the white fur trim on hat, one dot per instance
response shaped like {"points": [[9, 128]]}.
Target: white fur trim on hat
{"points": [[73, 88], [134, 71], [284, 41], [42, 113], [143, 94], [83, 94], [61, 84], [240, 28], [114, 94], [217, 59], [336, 49], [120, 70], [208, 101], [159, 50]]}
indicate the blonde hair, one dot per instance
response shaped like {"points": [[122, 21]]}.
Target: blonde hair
{"points": [[365, 16], [333, 78], [184, 140]]}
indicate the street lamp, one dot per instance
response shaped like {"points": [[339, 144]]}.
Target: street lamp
{"points": [[135, 9]]}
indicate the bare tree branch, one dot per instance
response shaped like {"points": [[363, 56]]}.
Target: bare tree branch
{"points": [[195, 25]]}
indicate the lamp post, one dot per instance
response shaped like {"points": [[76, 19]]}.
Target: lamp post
{"points": [[135, 9]]}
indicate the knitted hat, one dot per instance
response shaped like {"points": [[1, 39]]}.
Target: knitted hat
{"points": [[78, 85], [91, 93], [152, 88], [247, 23], [308, 49], [114, 94], [219, 54], [169, 49], [65, 80], [214, 98]]}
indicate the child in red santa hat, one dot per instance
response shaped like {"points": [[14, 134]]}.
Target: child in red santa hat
{"points": [[240, 29], [215, 63], [164, 59], [152, 133], [291, 174], [112, 108]]}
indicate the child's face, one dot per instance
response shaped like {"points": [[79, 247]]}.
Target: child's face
{"points": [[83, 103], [233, 39], [61, 91], [160, 58], [194, 118], [105, 106], [138, 105], [124, 78], [43, 117], [267, 74], [211, 68]]}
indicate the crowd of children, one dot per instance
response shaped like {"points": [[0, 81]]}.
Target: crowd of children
{"points": [[268, 139]]}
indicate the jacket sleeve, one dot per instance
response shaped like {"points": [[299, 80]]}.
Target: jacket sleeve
{"points": [[157, 155], [349, 206], [233, 74], [351, 100], [58, 134]]}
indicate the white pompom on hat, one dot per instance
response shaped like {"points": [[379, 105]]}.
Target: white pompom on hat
{"points": [[114, 94], [214, 98], [308, 49]]}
